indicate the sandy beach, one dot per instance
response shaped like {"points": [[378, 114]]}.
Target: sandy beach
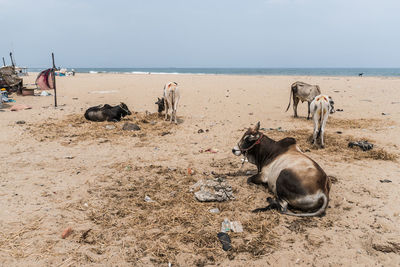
{"points": [[60, 171]]}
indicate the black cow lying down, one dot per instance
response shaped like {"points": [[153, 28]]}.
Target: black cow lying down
{"points": [[107, 112], [296, 180]]}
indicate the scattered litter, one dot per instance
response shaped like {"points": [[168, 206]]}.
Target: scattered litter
{"points": [[215, 210], [45, 93], [366, 100], [66, 233], [225, 226], [279, 129], [385, 181], [339, 132], [130, 127], [110, 127], [336, 91], [190, 171], [364, 145], [148, 199], [248, 173], [211, 150], [165, 133], [74, 98], [69, 157], [225, 241], [236, 227], [212, 190], [20, 107], [384, 113], [200, 131], [339, 109], [20, 122]]}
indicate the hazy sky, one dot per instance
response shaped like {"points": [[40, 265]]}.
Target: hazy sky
{"points": [[202, 33]]}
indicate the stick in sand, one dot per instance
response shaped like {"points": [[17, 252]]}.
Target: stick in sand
{"points": [[54, 80]]}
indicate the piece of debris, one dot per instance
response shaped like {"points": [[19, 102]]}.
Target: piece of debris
{"points": [[200, 131], [236, 227], [190, 171], [339, 132], [85, 234], [215, 210], [19, 107], [386, 247], [339, 109], [66, 233], [74, 98], [69, 157], [366, 100], [44, 93], [225, 226], [211, 150], [20, 122], [148, 199], [364, 145], [395, 102], [130, 127], [385, 114], [110, 127], [385, 181], [165, 133], [225, 241], [212, 190]]}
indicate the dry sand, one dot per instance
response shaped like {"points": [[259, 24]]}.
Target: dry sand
{"points": [[60, 171]]}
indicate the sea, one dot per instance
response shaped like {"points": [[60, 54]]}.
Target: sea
{"points": [[386, 72]]}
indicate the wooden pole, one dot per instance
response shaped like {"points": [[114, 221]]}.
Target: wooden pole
{"points": [[4, 62], [12, 61], [54, 80]]}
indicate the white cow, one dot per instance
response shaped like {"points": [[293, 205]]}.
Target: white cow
{"points": [[321, 107], [171, 99]]}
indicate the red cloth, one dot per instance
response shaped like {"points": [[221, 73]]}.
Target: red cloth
{"points": [[45, 80]]}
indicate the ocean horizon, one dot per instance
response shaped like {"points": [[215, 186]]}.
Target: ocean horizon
{"points": [[385, 72]]}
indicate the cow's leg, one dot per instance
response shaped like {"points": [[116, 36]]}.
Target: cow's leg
{"points": [[308, 114], [316, 132], [295, 103], [175, 108], [255, 179], [273, 205], [166, 112], [323, 129]]}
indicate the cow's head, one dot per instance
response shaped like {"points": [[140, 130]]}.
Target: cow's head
{"points": [[249, 138], [125, 109], [331, 105], [161, 105]]}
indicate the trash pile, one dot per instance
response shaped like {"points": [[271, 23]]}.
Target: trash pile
{"points": [[212, 190], [364, 145]]}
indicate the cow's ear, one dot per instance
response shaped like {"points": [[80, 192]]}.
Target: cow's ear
{"points": [[257, 127]]}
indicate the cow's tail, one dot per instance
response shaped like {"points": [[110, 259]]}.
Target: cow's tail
{"points": [[311, 214], [290, 98]]}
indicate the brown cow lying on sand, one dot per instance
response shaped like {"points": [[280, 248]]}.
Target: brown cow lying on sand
{"points": [[296, 180]]}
